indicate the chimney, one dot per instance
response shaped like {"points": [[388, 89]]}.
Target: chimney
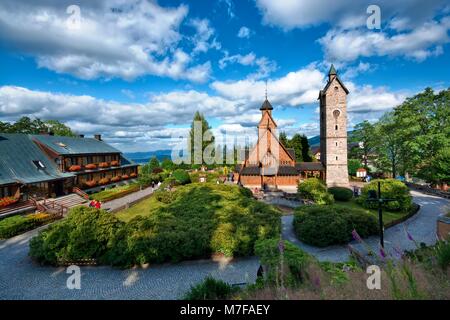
{"points": [[98, 137], [81, 135]]}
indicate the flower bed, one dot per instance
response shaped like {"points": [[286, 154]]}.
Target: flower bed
{"points": [[103, 165], [90, 166], [6, 201], [74, 168]]}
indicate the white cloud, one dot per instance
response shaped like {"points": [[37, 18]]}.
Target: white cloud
{"points": [[244, 32], [289, 14], [265, 66], [127, 42], [203, 39], [417, 44]]}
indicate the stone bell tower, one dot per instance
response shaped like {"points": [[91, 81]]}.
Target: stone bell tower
{"points": [[333, 130]]}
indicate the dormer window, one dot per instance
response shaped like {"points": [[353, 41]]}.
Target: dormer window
{"points": [[39, 165]]}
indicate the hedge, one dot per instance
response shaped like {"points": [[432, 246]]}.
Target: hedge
{"points": [[315, 190], [390, 188], [12, 226], [327, 225], [197, 221], [115, 193], [181, 176], [341, 194]]}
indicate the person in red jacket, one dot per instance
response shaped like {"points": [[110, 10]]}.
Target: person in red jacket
{"points": [[98, 204]]}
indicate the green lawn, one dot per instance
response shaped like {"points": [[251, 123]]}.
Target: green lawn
{"points": [[388, 216], [143, 208]]}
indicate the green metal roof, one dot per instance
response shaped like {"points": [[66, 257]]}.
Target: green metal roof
{"points": [[74, 145], [17, 153]]}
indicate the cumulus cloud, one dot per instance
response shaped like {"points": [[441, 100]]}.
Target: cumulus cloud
{"points": [[244, 32], [418, 44], [291, 14], [114, 39], [203, 39], [263, 64]]}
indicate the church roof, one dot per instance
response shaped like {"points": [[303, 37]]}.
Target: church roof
{"points": [[309, 166], [266, 105], [332, 70]]}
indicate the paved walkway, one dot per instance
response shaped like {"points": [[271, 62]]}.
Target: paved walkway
{"points": [[130, 198], [22, 279], [421, 226]]}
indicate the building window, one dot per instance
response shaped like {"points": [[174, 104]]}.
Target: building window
{"points": [[335, 127], [336, 144], [336, 157]]}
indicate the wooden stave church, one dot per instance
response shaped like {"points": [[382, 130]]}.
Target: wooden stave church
{"points": [[286, 173]]}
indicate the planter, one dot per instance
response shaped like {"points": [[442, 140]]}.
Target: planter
{"points": [[133, 175], [125, 176], [75, 168], [90, 166], [103, 181], [103, 165], [115, 163], [116, 179], [443, 228], [4, 202], [91, 183]]}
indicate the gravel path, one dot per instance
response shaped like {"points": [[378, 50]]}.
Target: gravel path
{"points": [[421, 226]]}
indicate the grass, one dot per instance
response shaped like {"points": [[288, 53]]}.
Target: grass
{"points": [[143, 208], [388, 216]]}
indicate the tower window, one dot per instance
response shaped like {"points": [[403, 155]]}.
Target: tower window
{"points": [[336, 88], [335, 127], [336, 144], [336, 157]]}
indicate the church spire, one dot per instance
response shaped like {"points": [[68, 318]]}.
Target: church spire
{"points": [[266, 104], [332, 73]]}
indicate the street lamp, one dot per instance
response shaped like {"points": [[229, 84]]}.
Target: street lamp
{"points": [[372, 197]]}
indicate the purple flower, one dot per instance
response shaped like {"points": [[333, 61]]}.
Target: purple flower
{"points": [[409, 236], [382, 253], [356, 236]]}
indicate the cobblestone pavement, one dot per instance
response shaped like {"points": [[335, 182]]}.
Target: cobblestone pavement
{"points": [[422, 227], [22, 279]]}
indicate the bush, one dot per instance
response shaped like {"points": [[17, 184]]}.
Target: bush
{"points": [[12, 226], [341, 194], [443, 254], [115, 193], [164, 196], [210, 289], [314, 189], [200, 219], [326, 225], [391, 189], [294, 259], [86, 233], [181, 176]]}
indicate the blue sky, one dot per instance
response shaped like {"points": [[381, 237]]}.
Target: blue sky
{"points": [[136, 71]]}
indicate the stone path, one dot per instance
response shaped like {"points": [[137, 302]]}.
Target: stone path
{"points": [[130, 198], [421, 226], [22, 279]]}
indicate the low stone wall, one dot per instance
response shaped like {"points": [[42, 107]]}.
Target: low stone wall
{"points": [[428, 190]]}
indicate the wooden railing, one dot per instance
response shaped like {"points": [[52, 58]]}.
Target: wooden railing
{"points": [[80, 192]]}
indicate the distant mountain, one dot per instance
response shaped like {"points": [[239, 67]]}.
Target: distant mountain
{"points": [[144, 157]]}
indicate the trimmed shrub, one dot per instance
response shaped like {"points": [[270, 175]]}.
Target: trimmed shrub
{"points": [[181, 176], [391, 189], [294, 259], [164, 196], [341, 194], [12, 226], [315, 190], [86, 233], [326, 225], [115, 193], [210, 289], [200, 219]]}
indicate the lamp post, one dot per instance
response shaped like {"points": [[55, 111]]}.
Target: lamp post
{"points": [[376, 196]]}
